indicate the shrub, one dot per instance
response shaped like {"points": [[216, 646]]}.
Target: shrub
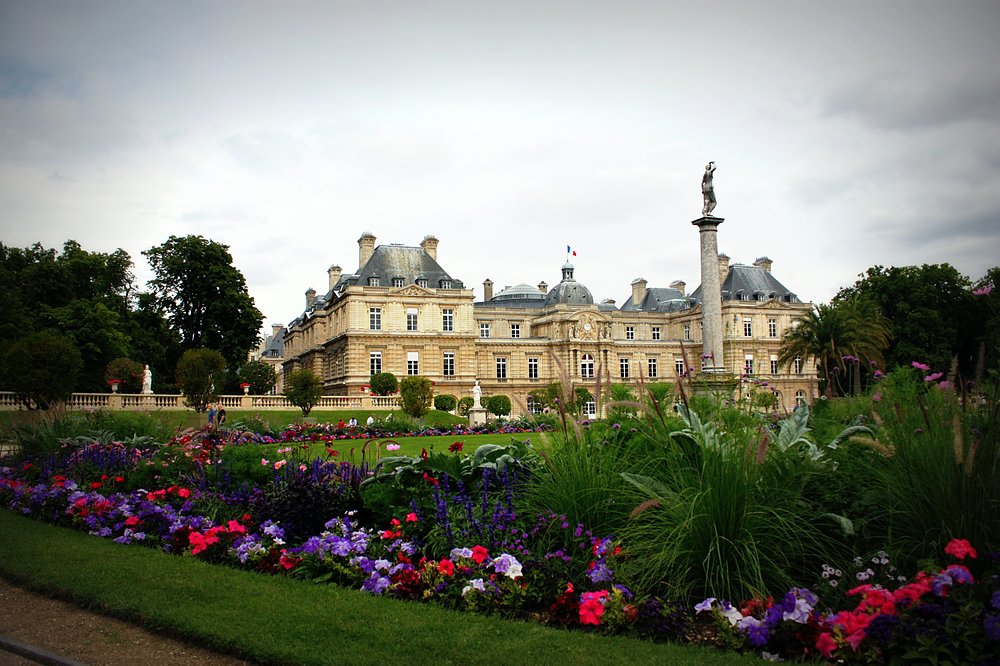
{"points": [[199, 373], [464, 405], [445, 402], [498, 405], [41, 369], [303, 389], [383, 383], [260, 375], [415, 395], [128, 371]]}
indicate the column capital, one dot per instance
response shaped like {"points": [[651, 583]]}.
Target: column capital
{"points": [[708, 222]]}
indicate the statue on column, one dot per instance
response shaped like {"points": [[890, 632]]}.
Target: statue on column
{"points": [[147, 380], [708, 190], [477, 394]]}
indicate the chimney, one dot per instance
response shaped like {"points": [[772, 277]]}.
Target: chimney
{"points": [[679, 285], [366, 248], [334, 273], [310, 296], [638, 291], [763, 262], [487, 289], [543, 287], [430, 246], [276, 330], [723, 268]]}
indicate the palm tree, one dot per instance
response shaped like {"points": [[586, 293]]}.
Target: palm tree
{"points": [[849, 332]]}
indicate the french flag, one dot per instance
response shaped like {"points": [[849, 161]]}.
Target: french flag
{"points": [[570, 250]]}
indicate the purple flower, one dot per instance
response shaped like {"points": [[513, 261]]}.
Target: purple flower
{"points": [[995, 601], [600, 573], [920, 366], [705, 605], [991, 624]]}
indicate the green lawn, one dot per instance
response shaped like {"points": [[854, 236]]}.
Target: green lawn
{"points": [[276, 620]]}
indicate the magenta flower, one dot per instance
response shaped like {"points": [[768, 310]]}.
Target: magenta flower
{"points": [[934, 377], [982, 291], [920, 366]]}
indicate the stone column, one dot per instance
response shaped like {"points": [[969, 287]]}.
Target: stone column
{"points": [[711, 294]]}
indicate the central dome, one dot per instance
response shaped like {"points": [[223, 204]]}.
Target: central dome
{"points": [[569, 291]]}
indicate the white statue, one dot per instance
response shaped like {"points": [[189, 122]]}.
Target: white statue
{"points": [[477, 393], [147, 380], [708, 190]]}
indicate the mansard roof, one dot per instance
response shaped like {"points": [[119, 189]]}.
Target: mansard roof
{"points": [[399, 261], [658, 299], [519, 296], [751, 283]]}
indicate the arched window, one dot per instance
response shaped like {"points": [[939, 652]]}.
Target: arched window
{"points": [[587, 366]]}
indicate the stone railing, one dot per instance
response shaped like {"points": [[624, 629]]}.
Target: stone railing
{"points": [[146, 402]]}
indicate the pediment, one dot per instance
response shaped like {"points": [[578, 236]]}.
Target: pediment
{"points": [[411, 290]]}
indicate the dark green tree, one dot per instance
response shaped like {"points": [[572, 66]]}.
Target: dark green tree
{"points": [[498, 405], [200, 373], [41, 369], [260, 375], [415, 395], [383, 383], [204, 296], [464, 405], [303, 389], [130, 373], [930, 310], [445, 402]]}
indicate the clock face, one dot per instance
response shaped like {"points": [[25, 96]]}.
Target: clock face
{"points": [[586, 326]]}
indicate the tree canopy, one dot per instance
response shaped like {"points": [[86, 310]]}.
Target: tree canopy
{"points": [[204, 296], [41, 369]]}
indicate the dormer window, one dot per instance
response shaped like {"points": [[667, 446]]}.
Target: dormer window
{"points": [[397, 282], [742, 295], [422, 282], [373, 281], [445, 284]]}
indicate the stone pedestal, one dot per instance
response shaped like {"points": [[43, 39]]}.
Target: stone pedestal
{"points": [[713, 360], [477, 416]]}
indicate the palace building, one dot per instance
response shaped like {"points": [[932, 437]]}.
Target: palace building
{"points": [[402, 312]]}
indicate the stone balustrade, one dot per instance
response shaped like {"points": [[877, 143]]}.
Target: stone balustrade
{"points": [[146, 402]]}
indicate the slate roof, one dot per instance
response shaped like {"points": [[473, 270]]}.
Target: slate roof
{"points": [[399, 261], [519, 296], [658, 300], [569, 291], [758, 284], [274, 345]]}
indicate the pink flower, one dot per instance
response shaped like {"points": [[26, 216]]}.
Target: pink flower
{"points": [[960, 549], [982, 291], [920, 366], [411, 517], [934, 377], [280, 464], [592, 607], [826, 645]]}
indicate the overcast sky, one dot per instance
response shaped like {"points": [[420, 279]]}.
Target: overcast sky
{"points": [[846, 135]]}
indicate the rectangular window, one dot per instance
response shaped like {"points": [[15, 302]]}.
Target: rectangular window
{"points": [[422, 282], [772, 328], [447, 319], [373, 282], [656, 332], [375, 362], [797, 366], [652, 368], [630, 332], [411, 319], [412, 363], [687, 331], [397, 282], [375, 319], [446, 284], [501, 367], [448, 364], [484, 330], [623, 368], [774, 365], [748, 365], [515, 330], [532, 368], [679, 366], [748, 327], [590, 409]]}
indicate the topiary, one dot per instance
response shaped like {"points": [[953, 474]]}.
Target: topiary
{"points": [[445, 402]]}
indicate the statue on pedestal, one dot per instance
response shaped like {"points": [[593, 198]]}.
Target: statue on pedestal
{"points": [[708, 190], [477, 394], [147, 380]]}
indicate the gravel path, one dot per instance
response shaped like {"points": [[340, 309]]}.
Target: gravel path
{"points": [[90, 638]]}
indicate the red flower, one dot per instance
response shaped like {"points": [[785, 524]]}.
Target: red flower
{"points": [[95, 485], [430, 479], [826, 645], [119, 479], [424, 456], [592, 607], [411, 517], [960, 549], [446, 567], [456, 447], [479, 554], [131, 521]]}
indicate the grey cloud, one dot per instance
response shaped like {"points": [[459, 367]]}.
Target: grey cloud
{"points": [[901, 101]]}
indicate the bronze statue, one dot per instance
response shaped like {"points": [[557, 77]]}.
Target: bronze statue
{"points": [[708, 190]]}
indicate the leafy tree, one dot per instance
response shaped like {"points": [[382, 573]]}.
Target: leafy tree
{"points": [[260, 375], [498, 405], [95, 331], [41, 369], [199, 374], [623, 402], [987, 315], [445, 402], [833, 335], [204, 296], [581, 397], [415, 395], [128, 371], [303, 389], [464, 405], [383, 383], [930, 310]]}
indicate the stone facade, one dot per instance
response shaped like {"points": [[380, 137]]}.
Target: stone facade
{"points": [[402, 313]]}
